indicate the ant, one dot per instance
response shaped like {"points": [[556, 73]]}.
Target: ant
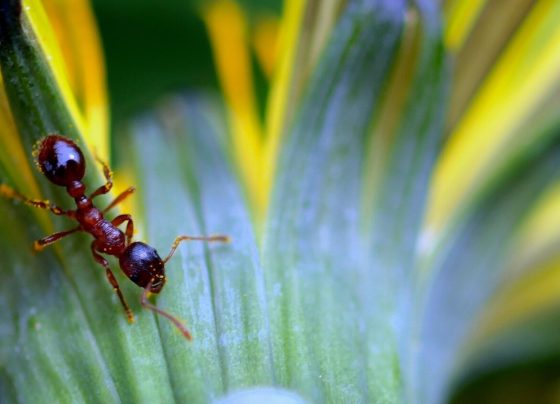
{"points": [[63, 163]]}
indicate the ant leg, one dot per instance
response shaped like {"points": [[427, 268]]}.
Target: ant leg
{"points": [[10, 193], [146, 303], [112, 280], [129, 226], [103, 189], [223, 239], [45, 241], [122, 196]]}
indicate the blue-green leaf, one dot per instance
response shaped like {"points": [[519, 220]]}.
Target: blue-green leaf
{"points": [[336, 270]]}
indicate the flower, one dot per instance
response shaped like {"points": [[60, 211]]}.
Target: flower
{"points": [[384, 213]]}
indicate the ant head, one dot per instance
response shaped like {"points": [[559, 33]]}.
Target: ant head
{"points": [[142, 264], [60, 160]]}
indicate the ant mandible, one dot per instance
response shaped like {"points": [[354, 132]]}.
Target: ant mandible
{"points": [[63, 163]]}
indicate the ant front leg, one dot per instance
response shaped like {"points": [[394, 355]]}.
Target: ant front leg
{"points": [[10, 193], [112, 280], [122, 196], [129, 226], [146, 303], [45, 241], [220, 238], [103, 189]]}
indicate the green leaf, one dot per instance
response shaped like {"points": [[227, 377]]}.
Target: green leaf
{"points": [[222, 292], [36, 103], [218, 290], [35, 100]]}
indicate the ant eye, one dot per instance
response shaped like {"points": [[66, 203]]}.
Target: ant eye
{"points": [[60, 160]]}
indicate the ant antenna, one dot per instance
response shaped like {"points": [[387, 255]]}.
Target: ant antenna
{"points": [[219, 237], [146, 303]]}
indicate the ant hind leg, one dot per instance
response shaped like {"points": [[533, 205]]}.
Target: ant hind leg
{"points": [[112, 280], [48, 240], [10, 193]]}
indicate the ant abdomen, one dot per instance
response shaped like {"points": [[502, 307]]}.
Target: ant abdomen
{"points": [[61, 160], [142, 264]]}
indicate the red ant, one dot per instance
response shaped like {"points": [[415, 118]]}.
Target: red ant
{"points": [[63, 163]]}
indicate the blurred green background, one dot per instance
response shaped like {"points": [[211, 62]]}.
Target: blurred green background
{"points": [[157, 48]]}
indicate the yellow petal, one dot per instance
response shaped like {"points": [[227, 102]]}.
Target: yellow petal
{"points": [[539, 237], [518, 85], [67, 33], [227, 27], [461, 16], [282, 89], [265, 43], [521, 300], [13, 156], [391, 109]]}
